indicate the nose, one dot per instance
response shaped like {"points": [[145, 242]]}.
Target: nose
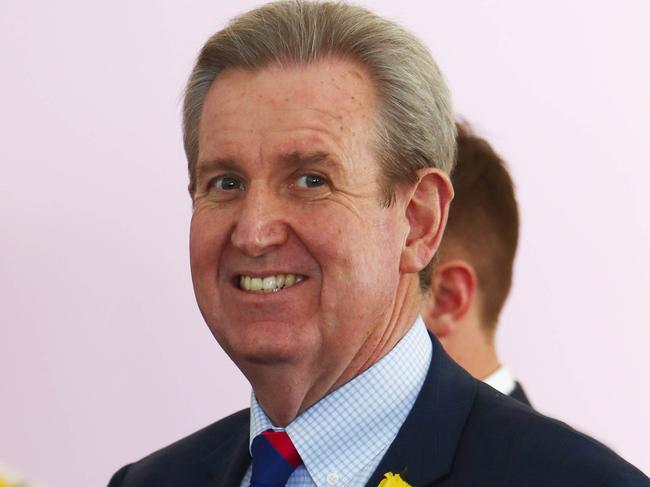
{"points": [[260, 226]]}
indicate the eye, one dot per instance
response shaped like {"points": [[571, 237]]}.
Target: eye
{"points": [[311, 181], [227, 183]]}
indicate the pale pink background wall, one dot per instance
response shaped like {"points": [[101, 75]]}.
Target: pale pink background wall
{"points": [[103, 354]]}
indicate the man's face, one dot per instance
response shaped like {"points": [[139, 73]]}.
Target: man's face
{"points": [[288, 200]]}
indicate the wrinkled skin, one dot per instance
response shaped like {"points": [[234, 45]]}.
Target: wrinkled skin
{"points": [[287, 182]]}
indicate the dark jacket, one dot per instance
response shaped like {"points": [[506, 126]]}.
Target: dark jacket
{"points": [[519, 394], [460, 432]]}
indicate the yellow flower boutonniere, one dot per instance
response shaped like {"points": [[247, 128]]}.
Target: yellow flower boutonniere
{"points": [[393, 480]]}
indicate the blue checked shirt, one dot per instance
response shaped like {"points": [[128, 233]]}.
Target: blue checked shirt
{"points": [[343, 437]]}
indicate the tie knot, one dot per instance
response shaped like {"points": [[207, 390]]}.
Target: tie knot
{"points": [[274, 459]]}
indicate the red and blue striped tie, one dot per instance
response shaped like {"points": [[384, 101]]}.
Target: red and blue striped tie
{"points": [[274, 459]]}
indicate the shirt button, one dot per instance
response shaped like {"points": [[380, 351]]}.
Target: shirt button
{"points": [[332, 478]]}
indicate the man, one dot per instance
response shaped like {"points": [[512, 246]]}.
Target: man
{"points": [[319, 139], [473, 273]]}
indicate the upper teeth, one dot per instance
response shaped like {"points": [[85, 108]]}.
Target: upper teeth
{"points": [[270, 283]]}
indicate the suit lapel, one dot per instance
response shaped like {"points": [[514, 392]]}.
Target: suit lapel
{"points": [[227, 464], [424, 448]]}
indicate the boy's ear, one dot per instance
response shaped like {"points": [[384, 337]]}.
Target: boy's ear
{"points": [[450, 297]]}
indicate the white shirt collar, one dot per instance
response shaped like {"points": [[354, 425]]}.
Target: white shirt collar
{"points": [[502, 380], [352, 427]]}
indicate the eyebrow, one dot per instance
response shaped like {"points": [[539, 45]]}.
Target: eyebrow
{"points": [[294, 158], [220, 163], [297, 158]]}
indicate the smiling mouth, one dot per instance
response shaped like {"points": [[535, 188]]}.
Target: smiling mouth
{"points": [[269, 284]]}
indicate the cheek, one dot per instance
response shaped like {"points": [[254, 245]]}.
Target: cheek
{"points": [[207, 238], [354, 251], [379, 244]]}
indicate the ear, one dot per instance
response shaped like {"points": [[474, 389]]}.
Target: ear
{"points": [[450, 297], [426, 212]]}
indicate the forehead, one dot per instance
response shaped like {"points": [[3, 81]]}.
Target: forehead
{"points": [[330, 101]]}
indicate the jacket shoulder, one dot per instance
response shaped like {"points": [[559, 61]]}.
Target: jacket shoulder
{"points": [[183, 457], [519, 446]]}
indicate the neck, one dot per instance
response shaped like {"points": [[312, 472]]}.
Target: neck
{"points": [[286, 390], [487, 363], [473, 349]]}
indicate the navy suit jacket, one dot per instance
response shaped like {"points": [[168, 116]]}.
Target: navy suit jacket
{"points": [[519, 394], [460, 432]]}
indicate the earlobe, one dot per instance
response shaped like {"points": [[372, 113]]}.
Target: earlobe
{"points": [[438, 321], [445, 327], [426, 213]]}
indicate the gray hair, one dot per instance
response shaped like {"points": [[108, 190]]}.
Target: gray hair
{"points": [[415, 127]]}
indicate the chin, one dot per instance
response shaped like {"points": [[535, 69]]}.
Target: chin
{"points": [[269, 358], [263, 346], [250, 359]]}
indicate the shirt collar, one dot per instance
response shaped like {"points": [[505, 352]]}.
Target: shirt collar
{"points": [[356, 423], [502, 380]]}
